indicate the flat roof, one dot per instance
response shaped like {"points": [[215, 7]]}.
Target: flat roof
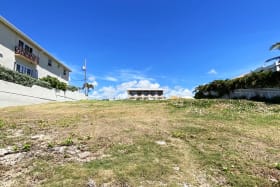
{"points": [[145, 89], [23, 35]]}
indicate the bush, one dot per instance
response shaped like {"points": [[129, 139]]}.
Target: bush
{"points": [[15, 77], [264, 79], [43, 84], [25, 80], [72, 88], [55, 83]]}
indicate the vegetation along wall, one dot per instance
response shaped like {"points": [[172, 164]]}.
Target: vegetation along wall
{"points": [[256, 86]]}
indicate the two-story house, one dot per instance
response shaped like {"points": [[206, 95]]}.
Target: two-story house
{"points": [[20, 53]]}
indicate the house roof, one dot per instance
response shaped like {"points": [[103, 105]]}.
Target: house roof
{"points": [[145, 89], [29, 40]]}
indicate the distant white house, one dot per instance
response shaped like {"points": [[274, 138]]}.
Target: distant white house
{"points": [[20, 53], [145, 94]]}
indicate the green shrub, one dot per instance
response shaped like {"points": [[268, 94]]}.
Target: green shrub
{"points": [[25, 80], [72, 88], [264, 79], [43, 84], [18, 78], [55, 83], [15, 77]]}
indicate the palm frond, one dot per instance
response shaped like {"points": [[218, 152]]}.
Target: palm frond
{"points": [[275, 46]]}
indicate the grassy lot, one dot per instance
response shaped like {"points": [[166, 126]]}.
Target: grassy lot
{"points": [[134, 143]]}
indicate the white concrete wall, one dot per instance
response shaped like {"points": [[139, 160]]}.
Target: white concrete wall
{"points": [[258, 92], [267, 93], [14, 94]]}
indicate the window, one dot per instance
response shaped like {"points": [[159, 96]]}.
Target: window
{"points": [[20, 44], [28, 72], [25, 70], [64, 72], [18, 68], [49, 62], [27, 48]]}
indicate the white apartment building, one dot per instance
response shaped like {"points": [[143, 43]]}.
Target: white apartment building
{"points": [[145, 94], [20, 53]]}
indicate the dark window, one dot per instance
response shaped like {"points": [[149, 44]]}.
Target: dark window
{"points": [[28, 72], [18, 68], [24, 69], [49, 62], [20, 43], [64, 72], [27, 48], [30, 50]]}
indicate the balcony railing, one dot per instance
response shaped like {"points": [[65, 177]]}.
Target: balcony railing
{"points": [[30, 56]]}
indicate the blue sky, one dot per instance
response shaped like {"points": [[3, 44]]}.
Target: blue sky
{"points": [[172, 44]]}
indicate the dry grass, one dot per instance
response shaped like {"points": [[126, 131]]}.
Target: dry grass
{"points": [[207, 143]]}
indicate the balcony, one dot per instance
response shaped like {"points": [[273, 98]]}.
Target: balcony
{"points": [[30, 57]]}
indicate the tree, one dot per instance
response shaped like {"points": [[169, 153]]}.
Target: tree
{"points": [[87, 86], [275, 46]]}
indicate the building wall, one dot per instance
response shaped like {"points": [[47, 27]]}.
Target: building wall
{"points": [[56, 70], [12, 94], [7, 58], [145, 94], [9, 39]]}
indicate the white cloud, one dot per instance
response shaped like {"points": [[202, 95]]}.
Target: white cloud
{"points": [[212, 72], [92, 80], [178, 91], [120, 91], [147, 84], [110, 78], [129, 74]]}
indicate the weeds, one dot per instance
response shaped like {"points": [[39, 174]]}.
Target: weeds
{"points": [[26, 147], [179, 134], [233, 142], [2, 123], [50, 145], [277, 165], [67, 142]]}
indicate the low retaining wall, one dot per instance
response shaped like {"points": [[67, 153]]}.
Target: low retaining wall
{"points": [[14, 94], [268, 93]]}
